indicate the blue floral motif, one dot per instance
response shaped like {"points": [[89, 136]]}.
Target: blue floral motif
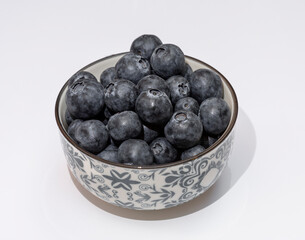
{"points": [[103, 189], [186, 174], [148, 188], [144, 197], [74, 159], [121, 180]]}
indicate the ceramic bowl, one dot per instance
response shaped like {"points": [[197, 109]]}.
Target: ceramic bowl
{"points": [[147, 187]]}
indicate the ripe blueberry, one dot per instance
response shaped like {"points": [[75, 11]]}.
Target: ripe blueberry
{"points": [[191, 152], [91, 135], [85, 99], [153, 82], [121, 95], [145, 45], [110, 153], [187, 104], [68, 117], [107, 76], [179, 88], [149, 134], [163, 151], [135, 152], [154, 107], [81, 75], [188, 72], [132, 67], [205, 84], [167, 60], [124, 125], [215, 115], [72, 127], [184, 129]]}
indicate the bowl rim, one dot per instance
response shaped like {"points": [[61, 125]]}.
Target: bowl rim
{"points": [[165, 165]]}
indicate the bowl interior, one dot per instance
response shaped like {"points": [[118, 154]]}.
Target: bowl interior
{"points": [[97, 67]]}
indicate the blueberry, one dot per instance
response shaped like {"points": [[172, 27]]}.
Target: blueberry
{"points": [[68, 117], [121, 95], [91, 135], [110, 153], [212, 139], [205, 84], [85, 99], [145, 45], [81, 75], [208, 141], [179, 88], [153, 82], [154, 107], [191, 152], [215, 115], [135, 152], [132, 67], [108, 76], [149, 134], [187, 104], [124, 125], [163, 151], [167, 60], [184, 129], [188, 72], [72, 127], [111, 147]]}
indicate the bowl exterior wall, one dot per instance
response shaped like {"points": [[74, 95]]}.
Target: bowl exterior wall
{"points": [[148, 189]]}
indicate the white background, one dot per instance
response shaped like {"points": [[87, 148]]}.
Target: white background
{"points": [[257, 45]]}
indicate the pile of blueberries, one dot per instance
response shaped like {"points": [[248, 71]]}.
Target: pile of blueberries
{"points": [[150, 108]]}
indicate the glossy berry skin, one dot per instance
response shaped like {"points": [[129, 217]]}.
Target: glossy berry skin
{"points": [[154, 107], [110, 153], [145, 45], [184, 129], [149, 134], [121, 96], [124, 125], [91, 135], [132, 67], [107, 76], [135, 152], [85, 99], [187, 104], [167, 60], [83, 75], [72, 127], [205, 84], [191, 152], [163, 151], [153, 82], [68, 117], [179, 88], [188, 72], [215, 115]]}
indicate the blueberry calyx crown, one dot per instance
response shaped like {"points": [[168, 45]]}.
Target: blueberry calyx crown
{"points": [[180, 116]]}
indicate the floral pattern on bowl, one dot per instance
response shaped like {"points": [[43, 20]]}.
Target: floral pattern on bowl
{"points": [[147, 188]]}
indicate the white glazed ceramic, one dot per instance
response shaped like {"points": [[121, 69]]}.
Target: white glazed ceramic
{"points": [[149, 187]]}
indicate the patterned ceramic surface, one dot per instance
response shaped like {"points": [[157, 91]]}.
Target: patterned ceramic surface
{"points": [[147, 188]]}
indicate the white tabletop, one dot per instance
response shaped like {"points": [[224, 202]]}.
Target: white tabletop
{"points": [[258, 45]]}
